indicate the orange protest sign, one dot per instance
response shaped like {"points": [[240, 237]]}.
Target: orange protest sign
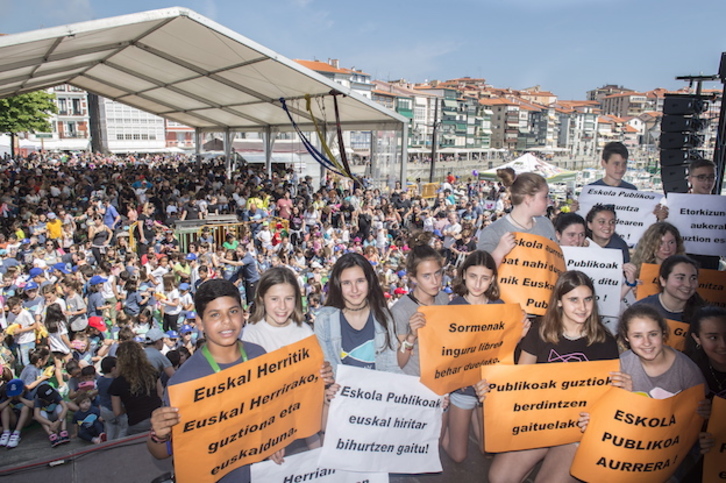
{"points": [[677, 337], [650, 281], [631, 438], [711, 284], [458, 339], [243, 414], [714, 462], [537, 405], [529, 272]]}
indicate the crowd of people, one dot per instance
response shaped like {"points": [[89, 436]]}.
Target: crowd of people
{"points": [[104, 305]]}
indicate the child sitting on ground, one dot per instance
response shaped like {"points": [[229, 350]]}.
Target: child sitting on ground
{"points": [[15, 410], [87, 419], [50, 412]]}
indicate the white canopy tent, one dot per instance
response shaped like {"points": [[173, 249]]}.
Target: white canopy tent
{"points": [[184, 67], [529, 163]]}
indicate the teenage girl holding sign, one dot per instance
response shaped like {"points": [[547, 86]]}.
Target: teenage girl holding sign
{"points": [[425, 269], [529, 192], [278, 320], [570, 331], [475, 284]]}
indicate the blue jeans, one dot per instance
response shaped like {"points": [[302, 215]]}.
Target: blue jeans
{"points": [[23, 350]]}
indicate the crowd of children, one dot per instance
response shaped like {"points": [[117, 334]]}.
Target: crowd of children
{"points": [[100, 315]]}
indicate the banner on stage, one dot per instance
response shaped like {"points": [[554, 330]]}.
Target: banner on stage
{"points": [[605, 268], [304, 467], [390, 422], [701, 221], [711, 284], [243, 414], [633, 209], [631, 438], [529, 272], [714, 462], [538, 405], [458, 339]]}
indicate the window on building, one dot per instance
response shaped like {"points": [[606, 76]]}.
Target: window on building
{"points": [[119, 137], [70, 129], [137, 137], [127, 137], [62, 106], [77, 107]]}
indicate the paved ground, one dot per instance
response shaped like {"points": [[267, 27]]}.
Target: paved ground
{"points": [[129, 461]]}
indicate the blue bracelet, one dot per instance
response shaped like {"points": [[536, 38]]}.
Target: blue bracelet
{"points": [[631, 284]]}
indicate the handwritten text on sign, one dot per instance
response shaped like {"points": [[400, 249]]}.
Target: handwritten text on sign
{"points": [[529, 272], [633, 209], [701, 220], [714, 462], [605, 268], [390, 422], [303, 467], [458, 339], [537, 405], [632, 438], [245, 413]]}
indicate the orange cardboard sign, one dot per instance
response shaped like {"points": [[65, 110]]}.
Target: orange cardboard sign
{"points": [[714, 462], [459, 339], [245, 413], [677, 336], [631, 438], [538, 405], [529, 272], [711, 284]]}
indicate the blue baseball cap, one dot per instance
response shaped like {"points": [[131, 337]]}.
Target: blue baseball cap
{"points": [[35, 272], [31, 286], [172, 334], [191, 256], [60, 266], [184, 286], [15, 387], [96, 279], [186, 328], [191, 315]]}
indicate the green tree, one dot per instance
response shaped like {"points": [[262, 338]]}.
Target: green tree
{"points": [[26, 113]]}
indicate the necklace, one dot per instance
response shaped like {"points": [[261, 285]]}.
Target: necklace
{"points": [[660, 299], [511, 217], [365, 306]]}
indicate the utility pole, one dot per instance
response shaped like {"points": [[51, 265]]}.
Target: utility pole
{"points": [[433, 139]]}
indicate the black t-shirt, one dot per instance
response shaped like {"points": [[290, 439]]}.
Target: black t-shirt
{"points": [[568, 350], [138, 407]]}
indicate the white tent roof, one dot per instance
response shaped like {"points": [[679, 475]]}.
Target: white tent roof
{"points": [[182, 66], [529, 163]]}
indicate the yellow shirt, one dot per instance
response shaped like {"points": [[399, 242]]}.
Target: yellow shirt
{"points": [[55, 229]]}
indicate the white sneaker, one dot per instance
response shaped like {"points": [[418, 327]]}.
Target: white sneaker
{"points": [[5, 438], [14, 440]]}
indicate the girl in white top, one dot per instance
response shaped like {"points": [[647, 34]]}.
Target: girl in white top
{"points": [[277, 318]]}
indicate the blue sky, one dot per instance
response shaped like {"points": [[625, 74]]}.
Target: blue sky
{"points": [[565, 46]]}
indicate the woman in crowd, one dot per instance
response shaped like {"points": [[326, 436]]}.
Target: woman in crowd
{"points": [[529, 193], [424, 268], [570, 331], [100, 236], [136, 390], [355, 327], [660, 241], [678, 299], [601, 221], [475, 284], [571, 230], [707, 346]]}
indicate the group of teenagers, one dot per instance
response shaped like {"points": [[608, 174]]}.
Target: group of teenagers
{"points": [[357, 326], [364, 322]]}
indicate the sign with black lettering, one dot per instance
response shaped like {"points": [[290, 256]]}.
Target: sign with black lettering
{"points": [[390, 422], [701, 220], [632, 438], [303, 467], [605, 268], [633, 209]]}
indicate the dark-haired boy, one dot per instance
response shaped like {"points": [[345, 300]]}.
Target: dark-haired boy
{"points": [[220, 316], [615, 163], [50, 412]]}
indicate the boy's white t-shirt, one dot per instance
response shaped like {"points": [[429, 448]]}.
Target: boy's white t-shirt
{"points": [[171, 296], [25, 320], [272, 338]]}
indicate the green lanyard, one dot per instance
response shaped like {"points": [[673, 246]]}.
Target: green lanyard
{"points": [[213, 363]]}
